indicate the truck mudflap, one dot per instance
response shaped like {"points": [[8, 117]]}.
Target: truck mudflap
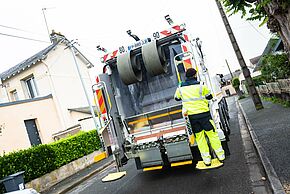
{"points": [[178, 151], [163, 155]]}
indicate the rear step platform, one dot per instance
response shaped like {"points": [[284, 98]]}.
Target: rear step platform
{"points": [[215, 163]]}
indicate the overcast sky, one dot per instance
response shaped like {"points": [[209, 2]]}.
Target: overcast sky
{"points": [[106, 22]]}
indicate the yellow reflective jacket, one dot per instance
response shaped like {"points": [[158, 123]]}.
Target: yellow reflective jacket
{"points": [[192, 93]]}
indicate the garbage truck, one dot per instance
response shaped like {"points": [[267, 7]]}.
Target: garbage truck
{"points": [[147, 124]]}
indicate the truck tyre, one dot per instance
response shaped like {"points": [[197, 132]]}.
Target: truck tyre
{"points": [[129, 68], [226, 148], [226, 108], [224, 124], [226, 121], [154, 58]]}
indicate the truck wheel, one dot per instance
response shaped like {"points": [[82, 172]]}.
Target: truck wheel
{"points": [[226, 148], [224, 124], [226, 121]]}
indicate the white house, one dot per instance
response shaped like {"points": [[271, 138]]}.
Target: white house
{"points": [[40, 97]]}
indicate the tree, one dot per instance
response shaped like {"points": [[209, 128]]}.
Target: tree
{"points": [[276, 13], [275, 67], [236, 84]]}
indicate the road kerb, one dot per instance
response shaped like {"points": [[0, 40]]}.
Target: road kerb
{"points": [[78, 182], [275, 182], [100, 157]]}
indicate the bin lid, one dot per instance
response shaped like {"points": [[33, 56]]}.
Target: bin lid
{"points": [[17, 174], [6, 179]]}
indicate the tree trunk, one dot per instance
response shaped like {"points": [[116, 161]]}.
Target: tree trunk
{"points": [[279, 21], [239, 92]]}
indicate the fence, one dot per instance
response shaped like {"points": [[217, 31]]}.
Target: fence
{"points": [[279, 89]]}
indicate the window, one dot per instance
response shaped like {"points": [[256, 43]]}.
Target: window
{"points": [[31, 87], [14, 95]]}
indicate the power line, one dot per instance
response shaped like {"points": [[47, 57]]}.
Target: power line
{"points": [[13, 28], [23, 37], [257, 30], [19, 29]]}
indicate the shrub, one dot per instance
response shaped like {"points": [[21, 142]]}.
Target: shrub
{"points": [[41, 159], [258, 80], [75, 147], [241, 97], [236, 82], [277, 101]]}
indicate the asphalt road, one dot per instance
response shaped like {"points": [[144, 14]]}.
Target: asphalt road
{"points": [[271, 125], [233, 177]]}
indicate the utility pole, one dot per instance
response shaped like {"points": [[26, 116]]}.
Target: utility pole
{"points": [[70, 46], [252, 89], [229, 69]]}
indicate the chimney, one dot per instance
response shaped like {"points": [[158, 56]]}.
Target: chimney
{"points": [[56, 37]]}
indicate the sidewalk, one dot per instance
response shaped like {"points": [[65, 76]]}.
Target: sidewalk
{"points": [[76, 179], [272, 128]]}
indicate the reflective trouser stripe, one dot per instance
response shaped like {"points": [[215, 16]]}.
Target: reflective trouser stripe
{"points": [[214, 142], [202, 146]]}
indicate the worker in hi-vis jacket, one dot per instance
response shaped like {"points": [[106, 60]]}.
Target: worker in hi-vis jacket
{"points": [[195, 96]]}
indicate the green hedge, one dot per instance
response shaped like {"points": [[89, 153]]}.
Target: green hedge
{"points": [[39, 160]]}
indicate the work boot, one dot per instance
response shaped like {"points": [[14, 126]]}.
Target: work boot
{"points": [[221, 158], [207, 164], [124, 160], [207, 161]]}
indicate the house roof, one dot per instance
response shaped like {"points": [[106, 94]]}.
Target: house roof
{"points": [[228, 77], [37, 57], [273, 45], [255, 60], [26, 63]]}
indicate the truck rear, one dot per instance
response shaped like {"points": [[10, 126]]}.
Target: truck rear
{"points": [[148, 123]]}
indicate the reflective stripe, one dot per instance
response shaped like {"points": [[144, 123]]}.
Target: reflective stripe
{"points": [[180, 92], [200, 89], [205, 155], [192, 99], [219, 150], [207, 160], [221, 157], [220, 153]]}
